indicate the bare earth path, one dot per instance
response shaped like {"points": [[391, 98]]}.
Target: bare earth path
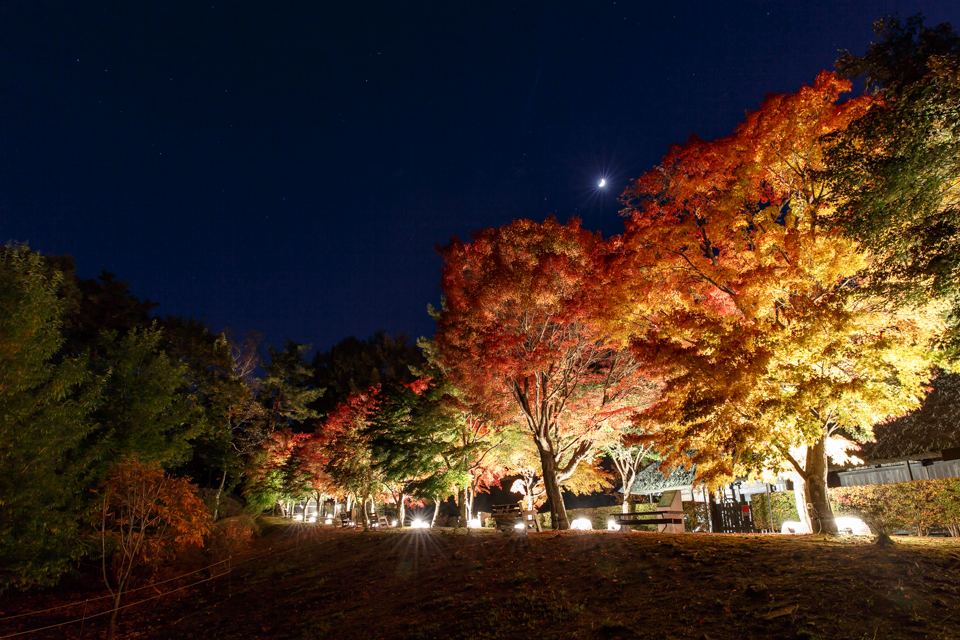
{"points": [[309, 583]]}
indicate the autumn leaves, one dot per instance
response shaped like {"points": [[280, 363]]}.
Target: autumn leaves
{"points": [[732, 290]]}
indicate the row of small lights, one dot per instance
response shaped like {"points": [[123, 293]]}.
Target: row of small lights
{"points": [[855, 525], [581, 524]]}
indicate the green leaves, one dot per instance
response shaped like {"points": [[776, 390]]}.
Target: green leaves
{"points": [[896, 169], [45, 411]]}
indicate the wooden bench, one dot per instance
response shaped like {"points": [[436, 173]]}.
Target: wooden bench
{"points": [[669, 514], [646, 517], [508, 516], [346, 522]]}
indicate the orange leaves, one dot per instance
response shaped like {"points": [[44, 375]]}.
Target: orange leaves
{"points": [[515, 299], [147, 515], [743, 215], [519, 329], [733, 282]]}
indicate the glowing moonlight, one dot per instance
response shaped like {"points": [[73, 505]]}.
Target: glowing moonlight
{"points": [[602, 182]]}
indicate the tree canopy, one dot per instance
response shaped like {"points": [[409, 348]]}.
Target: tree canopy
{"points": [[896, 169], [737, 284]]}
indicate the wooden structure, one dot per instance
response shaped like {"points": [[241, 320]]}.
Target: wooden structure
{"points": [[346, 521], [668, 517], [509, 516]]}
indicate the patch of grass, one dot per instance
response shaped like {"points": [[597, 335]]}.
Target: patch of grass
{"points": [[351, 586], [530, 611], [321, 627], [614, 629]]}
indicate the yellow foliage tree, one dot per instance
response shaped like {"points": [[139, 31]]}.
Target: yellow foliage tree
{"points": [[735, 286]]}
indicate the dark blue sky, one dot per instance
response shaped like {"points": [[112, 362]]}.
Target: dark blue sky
{"points": [[289, 168]]}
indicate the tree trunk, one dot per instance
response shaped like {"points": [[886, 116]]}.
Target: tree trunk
{"points": [[216, 504], [462, 499], [112, 628], [800, 498], [625, 505], [366, 514], [816, 480], [558, 513], [471, 496], [436, 510], [401, 510]]}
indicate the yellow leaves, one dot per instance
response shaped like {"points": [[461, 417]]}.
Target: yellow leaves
{"points": [[739, 290]]}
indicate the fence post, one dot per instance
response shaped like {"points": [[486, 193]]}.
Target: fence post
{"points": [[769, 508], [83, 618]]}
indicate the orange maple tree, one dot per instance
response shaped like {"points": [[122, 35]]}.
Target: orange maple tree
{"points": [[516, 328], [145, 517], [736, 286]]}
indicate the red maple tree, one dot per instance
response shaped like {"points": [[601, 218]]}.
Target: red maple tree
{"points": [[516, 329]]}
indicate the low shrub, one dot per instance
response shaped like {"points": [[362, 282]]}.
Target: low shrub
{"points": [[231, 535], [920, 504], [696, 516], [783, 506]]}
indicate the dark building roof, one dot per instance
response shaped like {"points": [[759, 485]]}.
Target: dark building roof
{"points": [[925, 433]]}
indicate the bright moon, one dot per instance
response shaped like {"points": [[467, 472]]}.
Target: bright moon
{"points": [[602, 183]]}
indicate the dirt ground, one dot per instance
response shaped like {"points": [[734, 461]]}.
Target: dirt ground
{"points": [[310, 583]]}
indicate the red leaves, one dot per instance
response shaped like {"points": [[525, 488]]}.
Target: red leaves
{"points": [[147, 515]]}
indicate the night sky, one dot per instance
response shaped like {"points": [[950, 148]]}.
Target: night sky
{"points": [[290, 168]]}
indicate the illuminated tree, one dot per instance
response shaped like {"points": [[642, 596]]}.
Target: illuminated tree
{"points": [[896, 169], [288, 389], [629, 455], [737, 287], [280, 470], [145, 517], [516, 328], [353, 365], [345, 441]]}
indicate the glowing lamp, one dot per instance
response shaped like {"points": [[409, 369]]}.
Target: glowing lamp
{"points": [[794, 528], [582, 524], [853, 526]]}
